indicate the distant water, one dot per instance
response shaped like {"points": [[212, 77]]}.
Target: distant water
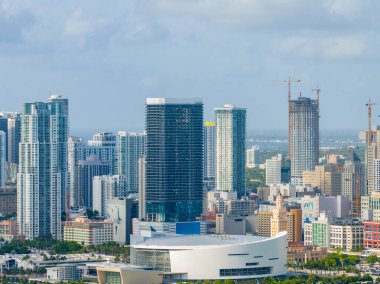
{"points": [[267, 139]]}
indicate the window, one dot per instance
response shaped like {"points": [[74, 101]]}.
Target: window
{"points": [[113, 278], [244, 271], [234, 254], [251, 263], [273, 258]]}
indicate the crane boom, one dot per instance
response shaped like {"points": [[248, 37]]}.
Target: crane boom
{"points": [[289, 81]]}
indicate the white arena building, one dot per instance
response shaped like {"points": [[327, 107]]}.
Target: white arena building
{"points": [[212, 257]]}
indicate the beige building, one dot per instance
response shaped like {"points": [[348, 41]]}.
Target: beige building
{"points": [[264, 224], [88, 232], [346, 235], [128, 275], [8, 230], [370, 207], [326, 177], [284, 221], [294, 226], [279, 221], [301, 253]]}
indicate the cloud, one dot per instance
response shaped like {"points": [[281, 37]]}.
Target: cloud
{"points": [[13, 22], [82, 30], [344, 8], [150, 82], [334, 48]]}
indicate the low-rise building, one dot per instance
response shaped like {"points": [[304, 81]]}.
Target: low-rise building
{"points": [[193, 258], [371, 235], [8, 200], [241, 207], [88, 232], [64, 273], [299, 253], [370, 207], [336, 206], [325, 231], [230, 225], [8, 230]]}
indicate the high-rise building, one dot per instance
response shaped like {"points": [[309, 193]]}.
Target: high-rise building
{"points": [[353, 180], [230, 149], [42, 175], [75, 154], [119, 211], [106, 187], [141, 196], [14, 135], [174, 159], [273, 170], [3, 173], [87, 170], [372, 153], [279, 221], [253, 157], [304, 137], [376, 176], [104, 145], [4, 128], [285, 170], [294, 226], [209, 158], [326, 177], [130, 148]]}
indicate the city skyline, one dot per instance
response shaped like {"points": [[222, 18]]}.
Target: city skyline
{"points": [[102, 54]]}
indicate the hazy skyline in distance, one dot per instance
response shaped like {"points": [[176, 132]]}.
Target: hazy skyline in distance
{"points": [[106, 57]]}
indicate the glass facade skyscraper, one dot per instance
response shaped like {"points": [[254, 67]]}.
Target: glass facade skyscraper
{"points": [[304, 137], [230, 149], [209, 157], [130, 148], [42, 176], [174, 159]]}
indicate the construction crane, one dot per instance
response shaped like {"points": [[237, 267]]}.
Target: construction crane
{"points": [[369, 135], [289, 82]]}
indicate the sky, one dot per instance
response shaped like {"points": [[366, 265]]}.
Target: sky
{"points": [[106, 57]]}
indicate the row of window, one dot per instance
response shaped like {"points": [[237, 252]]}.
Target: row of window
{"points": [[244, 271]]}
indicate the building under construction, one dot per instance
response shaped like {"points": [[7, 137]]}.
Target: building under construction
{"points": [[303, 136]]}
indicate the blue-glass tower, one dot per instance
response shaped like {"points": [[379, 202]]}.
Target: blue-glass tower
{"points": [[174, 159]]}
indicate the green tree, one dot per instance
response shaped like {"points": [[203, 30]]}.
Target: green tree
{"points": [[372, 259]]}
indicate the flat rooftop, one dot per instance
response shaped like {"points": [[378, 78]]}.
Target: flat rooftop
{"points": [[193, 241]]}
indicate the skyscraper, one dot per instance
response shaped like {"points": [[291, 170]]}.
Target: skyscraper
{"points": [[230, 149], [253, 156], [304, 137], [107, 143], [273, 170], [130, 148], [174, 159], [14, 135], [209, 150], [106, 187], [42, 176], [4, 128], [75, 154], [102, 145], [87, 170], [353, 184], [3, 141], [372, 153]]}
